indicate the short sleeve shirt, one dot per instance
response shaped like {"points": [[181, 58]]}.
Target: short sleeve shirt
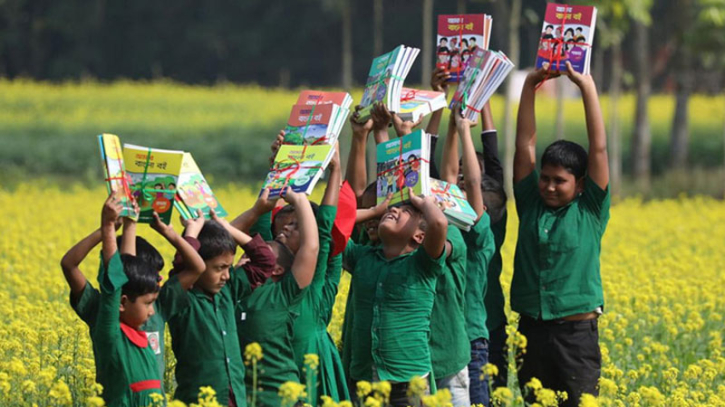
{"points": [[556, 265], [449, 346], [393, 302]]}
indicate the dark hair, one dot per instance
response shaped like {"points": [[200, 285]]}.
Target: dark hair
{"points": [[579, 29], [568, 30], [443, 39], [289, 209], [464, 40], [285, 257], [142, 278], [566, 154], [494, 197], [146, 252], [214, 240], [549, 26], [473, 39]]}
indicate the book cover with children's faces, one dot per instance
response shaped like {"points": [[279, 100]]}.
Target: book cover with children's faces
{"points": [[566, 36], [459, 36], [154, 175], [309, 125], [399, 169]]}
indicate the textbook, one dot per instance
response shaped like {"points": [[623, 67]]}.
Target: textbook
{"points": [[317, 97], [484, 73], [453, 203], [567, 35], [115, 171], [315, 124], [415, 103], [154, 175], [402, 163], [385, 79], [193, 192], [459, 35], [298, 167]]}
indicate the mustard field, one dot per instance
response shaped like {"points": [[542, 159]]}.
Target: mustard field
{"points": [[661, 335]]}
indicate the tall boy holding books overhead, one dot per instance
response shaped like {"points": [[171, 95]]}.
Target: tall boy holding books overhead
{"points": [[563, 212]]}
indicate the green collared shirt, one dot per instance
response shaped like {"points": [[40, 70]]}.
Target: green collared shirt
{"points": [[556, 265], [494, 300], [393, 301], [125, 363], [479, 241], [450, 349], [204, 339]]}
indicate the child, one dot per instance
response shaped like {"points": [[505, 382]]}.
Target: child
{"points": [[84, 297], [563, 212], [203, 329], [266, 316]]}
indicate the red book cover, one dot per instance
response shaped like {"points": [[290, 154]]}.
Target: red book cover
{"points": [[567, 35], [314, 97], [459, 35]]}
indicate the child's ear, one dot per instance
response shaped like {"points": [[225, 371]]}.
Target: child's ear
{"points": [[278, 270], [124, 301], [580, 185], [419, 236]]}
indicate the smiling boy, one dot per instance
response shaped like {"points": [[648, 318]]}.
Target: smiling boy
{"points": [[563, 212]]}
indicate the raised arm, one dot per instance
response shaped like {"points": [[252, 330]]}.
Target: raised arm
{"points": [[193, 265], [449, 167], [377, 211], [436, 231], [381, 117], [525, 155], [109, 215], [72, 260], [332, 191], [489, 140], [356, 173], [471, 169], [438, 82], [598, 167], [303, 267], [246, 220], [239, 237]]}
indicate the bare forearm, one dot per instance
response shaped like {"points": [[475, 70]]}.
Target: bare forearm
{"points": [[525, 155], [128, 239], [108, 239], [595, 124], [436, 230], [434, 123], [381, 135], [305, 261], [356, 173], [332, 191], [246, 220], [449, 167], [471, 171]]}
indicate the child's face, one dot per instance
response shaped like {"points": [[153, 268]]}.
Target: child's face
{"points": [[400, 223], [289, 235], [216, 274], [557, 186], [136, 313]]}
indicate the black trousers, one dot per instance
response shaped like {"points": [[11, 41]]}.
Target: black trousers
{"points": [[563, 355]]}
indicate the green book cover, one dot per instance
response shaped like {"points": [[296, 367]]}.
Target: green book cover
{"points": [[402, 163], [379, 80]]}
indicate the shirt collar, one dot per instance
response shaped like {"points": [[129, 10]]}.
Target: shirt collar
{"points": [[136, 337]]}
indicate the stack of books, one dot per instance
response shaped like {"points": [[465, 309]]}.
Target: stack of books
{"points": [[403, 163], [459, 35], [484, 73], [298, 167], [317, 118], [567, 35], [415, 103], [453, 203], [385, 80], [115, 171], [193, 192]]}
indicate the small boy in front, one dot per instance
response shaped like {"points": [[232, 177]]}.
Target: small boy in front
{"points": [[563, 212]]}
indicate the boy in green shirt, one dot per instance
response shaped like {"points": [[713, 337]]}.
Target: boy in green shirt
{"points": [[563, 213]]}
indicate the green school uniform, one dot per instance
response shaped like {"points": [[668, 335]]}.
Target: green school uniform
{"points": [[87, 309], [479, 241], [310, 328], [556, 265], [494, 300], [204, 339], [266, 317], [450, 349], [125, 363], [393, 302]]}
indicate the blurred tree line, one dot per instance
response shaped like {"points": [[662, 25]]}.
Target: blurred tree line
{"points": [[640, 46]]}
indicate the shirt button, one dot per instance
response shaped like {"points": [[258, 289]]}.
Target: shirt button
{"points": [[543, 287], [227, 360], [380, 284], [224, 333], [546, 230]]}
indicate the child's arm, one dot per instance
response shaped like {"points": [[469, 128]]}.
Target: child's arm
{"points": [[364, 215], [192, 265], [438, 83], [263, 205], [525, 155], [303, 267], [449, 168], [471, 170], [72, 260], [436, 232], [356, 173], [598, 167], [405, 127], [109, 216], [491, 162], [332, 191], [381, 117]]}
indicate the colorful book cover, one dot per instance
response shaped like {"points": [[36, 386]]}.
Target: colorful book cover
{"points": [[379, 80], [567, 35], [312, 124], [402, 163], [453, 203], [115, 171], [459, 35], [415, 103], [154, 175], [471, 76], [194, 192], [317, 97], [298, 167]]}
